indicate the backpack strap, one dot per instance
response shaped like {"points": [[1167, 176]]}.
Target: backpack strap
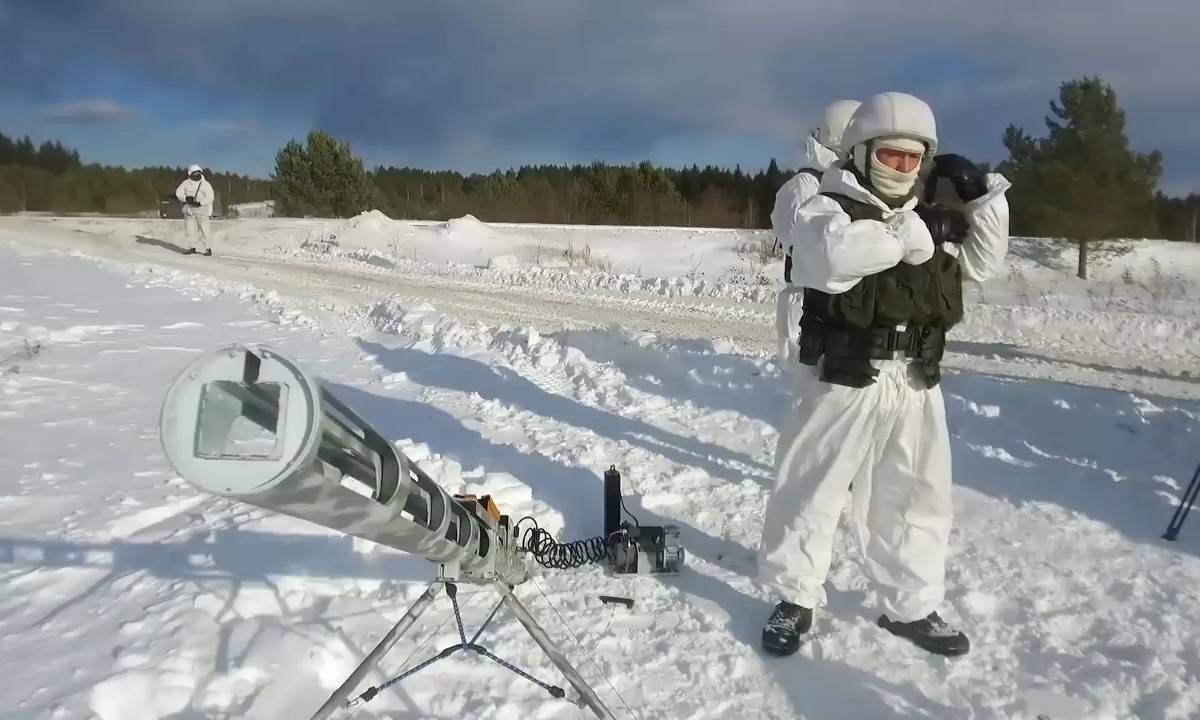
{"points": [[856, 209]]}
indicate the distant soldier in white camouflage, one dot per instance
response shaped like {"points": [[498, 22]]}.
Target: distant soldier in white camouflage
{"points": [[197, 196]]}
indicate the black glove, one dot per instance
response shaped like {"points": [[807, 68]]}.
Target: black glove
{"points": [[945, 224], [969, 181]]}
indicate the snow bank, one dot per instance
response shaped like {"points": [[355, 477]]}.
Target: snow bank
{"points": [[1128, 261], [468, 247], [1129, 332], [504, 262], [1143, 276], [469, 230], [1125, 275]]}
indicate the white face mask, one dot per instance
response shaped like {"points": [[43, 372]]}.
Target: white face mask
{"points": [[892, 183], [889, 183]]}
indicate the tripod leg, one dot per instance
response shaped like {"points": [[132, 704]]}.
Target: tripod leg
{"points": [[1185, 506], [339, 696], [554, 653]]}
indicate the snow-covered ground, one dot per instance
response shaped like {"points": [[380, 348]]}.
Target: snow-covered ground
{"points": [[127, 594]]}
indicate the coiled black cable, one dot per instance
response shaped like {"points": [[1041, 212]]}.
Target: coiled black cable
{"points": [[563, 555]]}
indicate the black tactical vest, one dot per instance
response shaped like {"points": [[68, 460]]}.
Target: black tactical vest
{"points": [[858, 325]]}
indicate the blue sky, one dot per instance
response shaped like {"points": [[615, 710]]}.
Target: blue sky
{"points": [[497, 83]]}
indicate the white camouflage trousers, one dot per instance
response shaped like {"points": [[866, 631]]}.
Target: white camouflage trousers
{"points": [[196, 226], [891, 441]]}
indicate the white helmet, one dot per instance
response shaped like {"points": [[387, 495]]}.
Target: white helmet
{"points": [[833, 123], [892, 114], [194, 169]]}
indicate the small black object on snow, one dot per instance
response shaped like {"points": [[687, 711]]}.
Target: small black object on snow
{"points": [[627, 602]]}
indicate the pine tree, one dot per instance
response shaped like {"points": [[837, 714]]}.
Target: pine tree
{"points": [[1082, 180], [766, 188], [8, 151], [10, 199], [26, 153], [1179, 218], [321, 177]]}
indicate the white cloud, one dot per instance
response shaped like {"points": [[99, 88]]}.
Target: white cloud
{"points": [[89, 112]]}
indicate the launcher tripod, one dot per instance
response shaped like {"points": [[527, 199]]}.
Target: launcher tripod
{"points": [[340, 697]]}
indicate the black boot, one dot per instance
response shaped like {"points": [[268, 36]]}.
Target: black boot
{"points": [[785, 628], [930, 633], [208, 252], [189, 251]]}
